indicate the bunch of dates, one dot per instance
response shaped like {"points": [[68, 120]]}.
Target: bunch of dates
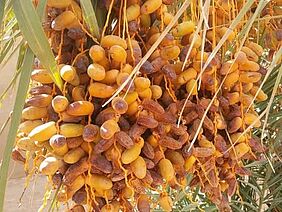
{"points": [[170, 119]]}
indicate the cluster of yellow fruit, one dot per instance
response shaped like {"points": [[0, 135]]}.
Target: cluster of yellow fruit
{"points": [[108, 158]]}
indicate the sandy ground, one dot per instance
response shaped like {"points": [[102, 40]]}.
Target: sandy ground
{"points": [[33, 196]]}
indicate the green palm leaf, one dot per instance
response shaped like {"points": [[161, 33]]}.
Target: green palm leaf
{"points": [[30, 26]]}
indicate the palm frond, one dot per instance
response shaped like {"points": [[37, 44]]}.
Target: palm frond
{"points": [[30, 25], [2, 10], [90, 18]]}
